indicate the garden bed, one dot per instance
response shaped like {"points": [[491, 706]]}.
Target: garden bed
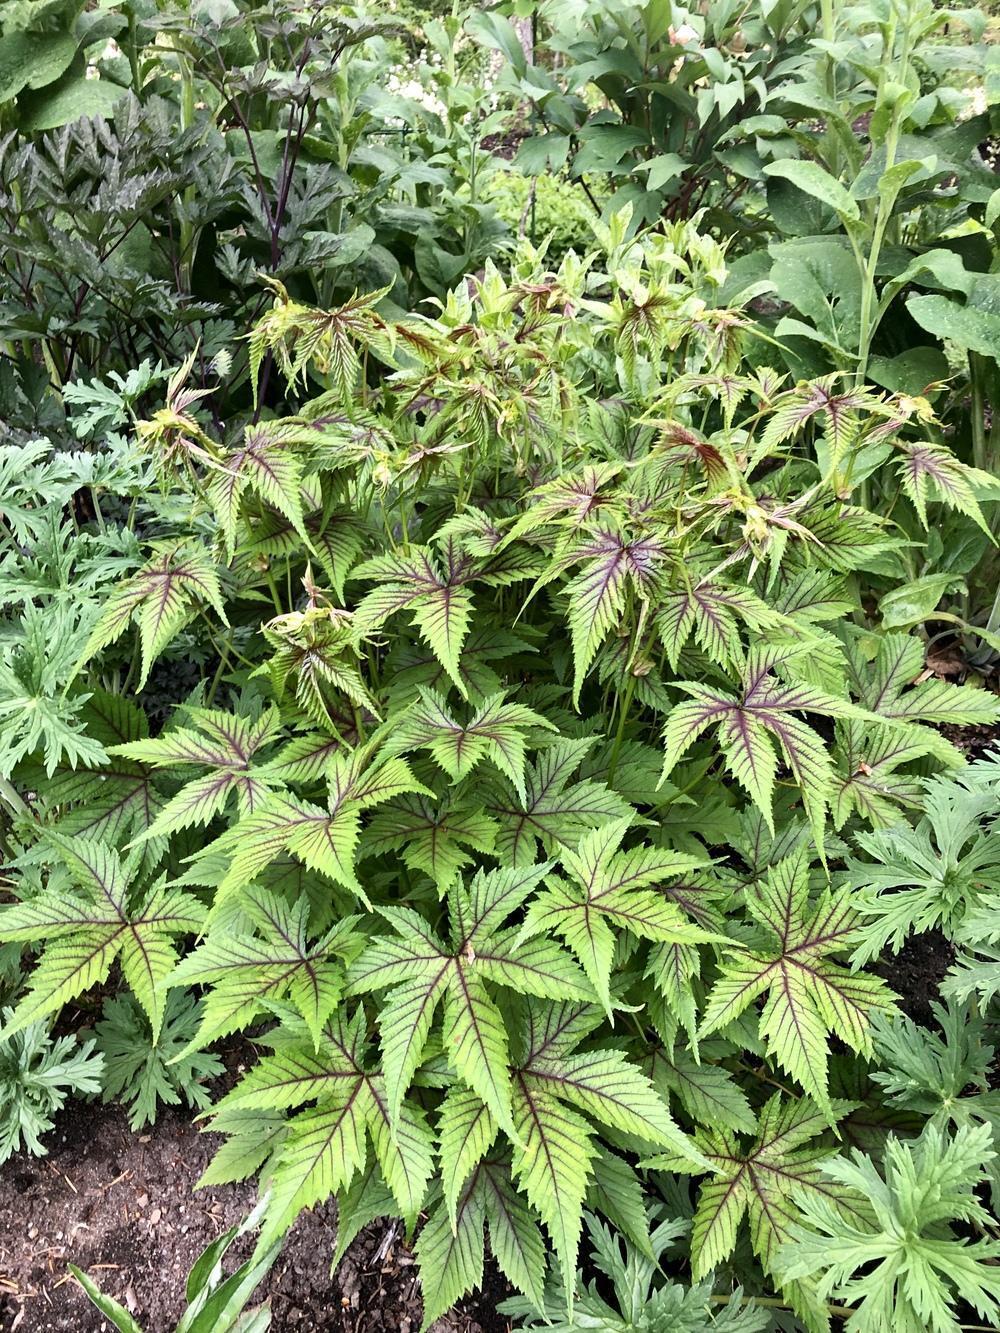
{"points": [[121, 1206]]}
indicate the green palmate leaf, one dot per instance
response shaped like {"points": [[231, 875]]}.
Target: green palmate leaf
{"points": [[869, 780], [424, 973], [84, 931], [436, 837], [335, 537], [317, 648], [246, 971], [708, 1093], [324, 840], [325, 1146], [554, 811], [751, 724], [836, 412], [763, 1182], [112, 801], [713, 612], [931, 472], [612, 888], [892, 688], [440, 605], [221, 742], [495, 731], [809, 995], [515, 1236], [555, 1148], [612, 566], [552, 1164], [266, 464], [161, 598], [467, 1131], [451, 1251]]}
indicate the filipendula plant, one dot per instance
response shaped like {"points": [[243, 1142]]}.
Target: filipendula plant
{"points": [[540, 710]]}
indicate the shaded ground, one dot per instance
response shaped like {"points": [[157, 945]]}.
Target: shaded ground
{"points": [[121, 1206], [916, 973]]}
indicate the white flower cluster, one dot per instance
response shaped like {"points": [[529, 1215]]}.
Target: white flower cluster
{"points": [[402, 84]]}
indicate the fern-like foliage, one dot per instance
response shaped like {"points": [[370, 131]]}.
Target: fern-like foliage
{"points": [[38, 1072], [639, 1304], [146, 1074], [902, 1268], [942, 1075], [933, 875]]}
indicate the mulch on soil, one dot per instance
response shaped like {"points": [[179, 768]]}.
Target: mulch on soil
{"points": [[122, 1207]]}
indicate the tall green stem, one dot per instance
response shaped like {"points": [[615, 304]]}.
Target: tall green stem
{"points": [[888, 193], [187, 109]]}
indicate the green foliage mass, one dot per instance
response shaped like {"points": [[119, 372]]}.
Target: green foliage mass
{"points": [[38, 1073], [519, 713]]}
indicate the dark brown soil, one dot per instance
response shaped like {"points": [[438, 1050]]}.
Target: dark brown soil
{"points": [[974, 742], [505, 145], [122, 1207], [916, 972]]}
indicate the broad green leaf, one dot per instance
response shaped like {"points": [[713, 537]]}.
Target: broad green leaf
{"points": [[969, 328], [813, 180], [914, 602]]}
